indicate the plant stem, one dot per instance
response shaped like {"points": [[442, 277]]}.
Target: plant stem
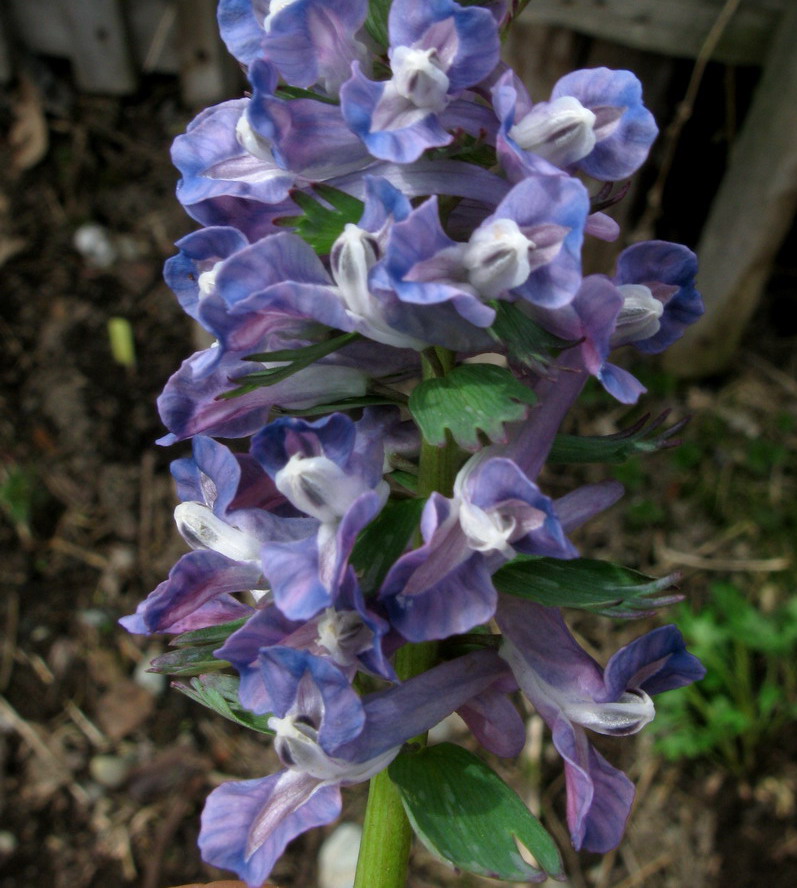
{"points": [[387, 834]]}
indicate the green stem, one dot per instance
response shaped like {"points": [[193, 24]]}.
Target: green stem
{"points": [[387, 834]]}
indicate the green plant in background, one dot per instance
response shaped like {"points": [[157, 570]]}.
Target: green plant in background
{"points": [[750, 690], [18, 492]]}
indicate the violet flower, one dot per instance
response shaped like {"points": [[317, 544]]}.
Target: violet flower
{"points": [[657, 280], [444, 587], [437, 50], [331, 470], [571, 692], [595, 122], [327, 737], [310, 42], [224, 517]]}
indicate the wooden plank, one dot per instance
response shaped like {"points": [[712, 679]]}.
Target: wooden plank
{"points": [[750, 215], [670, 27], [153, 34], [207, 72], [100, 55], [5, 58], [41, 26]]}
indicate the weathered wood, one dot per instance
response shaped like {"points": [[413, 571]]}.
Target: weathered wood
{"points": [[671, 27], [41, 26], [5, 60], [207, 72], [153, 34], [750, 215], [100, 55], [540, 55]]}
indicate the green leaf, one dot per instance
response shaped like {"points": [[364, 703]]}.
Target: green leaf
{"points": [[463, 812], [322, 223], [343, 404], [296, 92], [599, 586], [220, 693], [384, 539], [472, 397], [405, 479], [376, 22], [210, 635], [293, 360], [525, 340], [641, 437], [188, 661]]}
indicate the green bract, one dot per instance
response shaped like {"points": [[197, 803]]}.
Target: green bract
{"points": [[463, 812]]}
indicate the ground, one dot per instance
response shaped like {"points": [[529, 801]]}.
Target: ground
{"points": [[104, 773]]}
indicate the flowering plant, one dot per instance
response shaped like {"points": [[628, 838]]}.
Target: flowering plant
{"points": [[388, 206]]}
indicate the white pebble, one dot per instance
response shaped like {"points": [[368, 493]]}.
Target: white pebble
{"points": [[337, 859]]}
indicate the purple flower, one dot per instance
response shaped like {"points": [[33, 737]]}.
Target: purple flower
{"points": [[218, 172], [595, 122], [331, 470], [444, 586], [351, 635], [327, 737], [191, 274], [571, 692], [437, 50], [657, 280], [223, 518], [309, 41], [529, 248], [592, 319], [192, 402]]}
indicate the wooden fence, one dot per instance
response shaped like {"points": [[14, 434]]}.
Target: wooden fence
{"points": [[111, 43]]}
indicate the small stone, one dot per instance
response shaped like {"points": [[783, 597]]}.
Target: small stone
{"points": [[337, 859], [449, 728], [8, 843], [94, 244], [109, 771], [154, 682]]}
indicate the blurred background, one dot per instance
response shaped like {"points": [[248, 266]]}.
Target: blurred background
{"points": [[105, 768]]}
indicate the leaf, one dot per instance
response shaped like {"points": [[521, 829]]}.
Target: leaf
{"points": [[122, 342], [320, 225], [343, 404], [617, 448], [295, 359], [188, 661], [470, 398], [220, 693], [376, 22], [463, 812], [211, 635], [405, 479], [599, 586], [296, 92], [384, 539], [526, 341]]}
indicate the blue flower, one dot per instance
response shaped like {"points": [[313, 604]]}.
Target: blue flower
{"points": [[327, 737], [437, 50], [571, 692]]}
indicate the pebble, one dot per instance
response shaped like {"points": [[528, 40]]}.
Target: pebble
{"points": [[337, 859], [94, 244], [154, 682], [109, 771], [8, 843]]}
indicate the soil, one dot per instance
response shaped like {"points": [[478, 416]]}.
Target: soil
{"points": [[105, 771]]}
